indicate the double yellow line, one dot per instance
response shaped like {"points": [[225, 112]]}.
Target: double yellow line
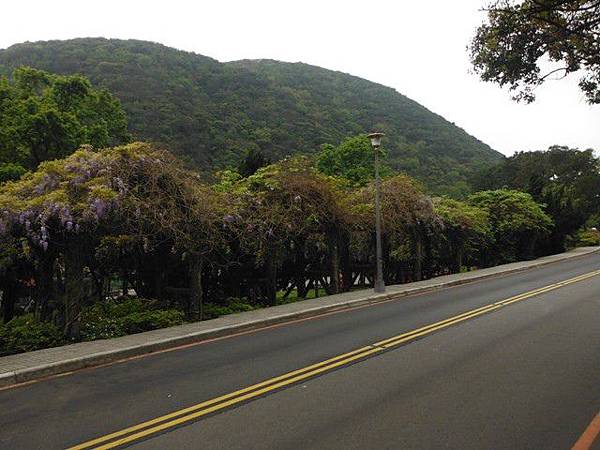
{"points": [[177, 418]]}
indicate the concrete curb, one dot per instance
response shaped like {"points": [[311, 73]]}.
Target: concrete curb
{"points": [[26, 367]]}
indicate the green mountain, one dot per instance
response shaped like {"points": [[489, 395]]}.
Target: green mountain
{"points": [[212, 112]]}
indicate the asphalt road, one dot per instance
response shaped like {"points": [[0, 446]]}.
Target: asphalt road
{"points": [[525, 376]]}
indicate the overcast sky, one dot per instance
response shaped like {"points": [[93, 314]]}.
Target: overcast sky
{"points": [[418, 48]]}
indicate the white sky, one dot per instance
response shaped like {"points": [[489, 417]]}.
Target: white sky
{"points": [[418, 48]]}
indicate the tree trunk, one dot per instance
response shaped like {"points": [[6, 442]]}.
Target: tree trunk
{"points": [[459, 259], [334, 264], [271, 282], [44, 287], [418, 258], [345, 263], [195, 305], [300, 278], [9, 298], [124, 283], [74, 288]]}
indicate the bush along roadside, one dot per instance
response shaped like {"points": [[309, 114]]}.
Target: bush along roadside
{"points": [[231, 305], [113, 318], [585, 238], [126, 315], [26, 333]]}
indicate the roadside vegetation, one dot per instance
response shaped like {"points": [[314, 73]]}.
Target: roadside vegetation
{"points": [[103, 241]]}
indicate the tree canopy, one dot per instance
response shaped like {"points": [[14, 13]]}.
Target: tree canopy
{"points": [[45, 116], [467, 232], [520, 36], [565, 180], [518, 224], [351, 160]]}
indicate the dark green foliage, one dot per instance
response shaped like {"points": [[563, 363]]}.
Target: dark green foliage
{"points": [[518, 224], [519, 36], [45, 116], [124, 316], [253, 160], [594, 220], [565, 180], [587, 238], [231, 305], [26, 333], [466, 233], [11, 172], [211, 112], [352, 160]]}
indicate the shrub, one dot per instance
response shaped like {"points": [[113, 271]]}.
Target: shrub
{"points": [[151, 320], [587, 238], [232, 305], [26, 333], [11, 172], [126, 315]]}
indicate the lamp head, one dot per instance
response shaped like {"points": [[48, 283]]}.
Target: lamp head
{"points": [[375, 139]]}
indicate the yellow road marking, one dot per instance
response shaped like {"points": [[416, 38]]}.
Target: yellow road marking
{"points": [[207, 403], [176, 418], [234, 401]]}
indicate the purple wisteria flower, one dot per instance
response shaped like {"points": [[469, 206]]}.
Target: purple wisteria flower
{"points": [[64, 215], [47, 184], [120, 185], [99, 207]]}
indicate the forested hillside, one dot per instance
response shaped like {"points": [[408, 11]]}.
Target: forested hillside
{"points": [[213, 112]]}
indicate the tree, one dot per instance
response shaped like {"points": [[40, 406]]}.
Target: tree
{"points": [[352, 160], [253, 160], [167, 202], [288, 211], [45, 116], [408, 218], [11, 172], [466, 231], [565, 180], [57, 210], [517, 223], [67, 212], [408, 221], [511, 48]]}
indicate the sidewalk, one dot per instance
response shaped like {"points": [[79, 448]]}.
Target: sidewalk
{"points": [[24, 367]]}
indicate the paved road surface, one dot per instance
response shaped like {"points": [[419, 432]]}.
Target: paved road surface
{"points": [[523, 376]]}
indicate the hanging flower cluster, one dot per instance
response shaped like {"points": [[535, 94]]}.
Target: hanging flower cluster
{"points": [[64, 197]]}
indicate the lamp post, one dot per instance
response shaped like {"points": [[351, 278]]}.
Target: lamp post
{"points": [[379, 285]]}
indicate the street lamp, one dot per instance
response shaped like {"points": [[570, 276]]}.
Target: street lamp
{"points": [[379, 285]]}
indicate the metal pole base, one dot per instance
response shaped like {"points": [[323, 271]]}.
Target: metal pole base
{"points": [[379, 287]]}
